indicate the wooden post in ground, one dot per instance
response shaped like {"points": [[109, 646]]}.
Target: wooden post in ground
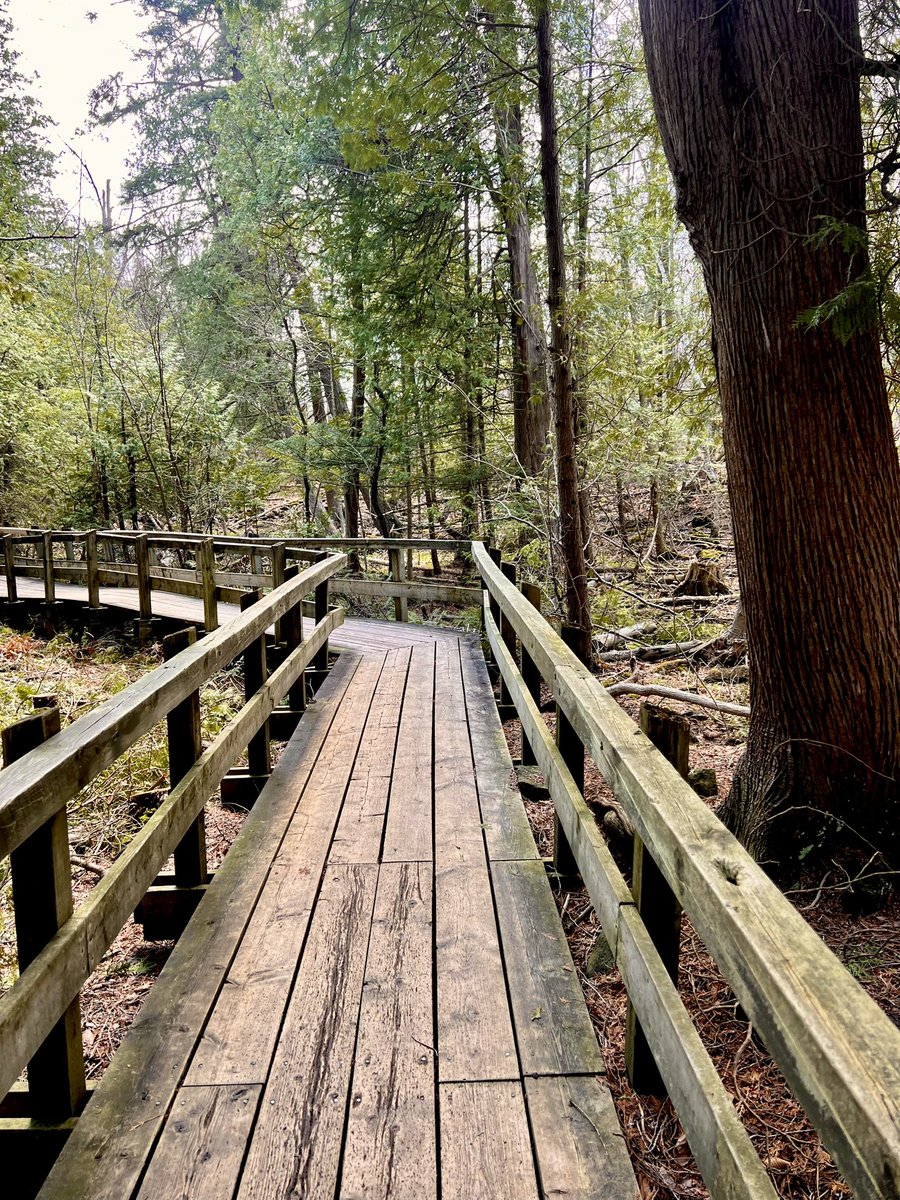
{"points": [[572, 750], [320, 661], [206, 563], [279, 568], [169, 905], [292, 628], [401, 604], [494, 604], [531, 676], [42, 903], [92, 563], [660, 911], [143, 626], [240, 787], [49, 573], [9, 558], [509, 637]]}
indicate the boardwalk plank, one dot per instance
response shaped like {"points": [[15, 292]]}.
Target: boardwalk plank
{"points": [[200, 1152], [474, 1031], [104, 1157], [580, 1147], [458, 838], [409, 826], [240, 1037], [553, 1028], [506, 829], [485, 1148], [390, 1150], [296, 1146]]}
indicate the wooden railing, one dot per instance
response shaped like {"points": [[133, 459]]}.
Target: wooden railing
{"points": [[59, 946], [103, 558], [839, 1053]]}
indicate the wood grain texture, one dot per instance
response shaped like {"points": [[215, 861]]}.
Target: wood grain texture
{"points": [[458, 838], [390, 1149], [580, 1147], [409, 827], [240, 1037], [201, 1149], [296, 1145], [485, 1147], [107, 1152], [503, 817], [474, 1034], [553, 1028]]}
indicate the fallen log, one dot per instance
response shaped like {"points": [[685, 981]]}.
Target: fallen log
{"points": [[650, 689]]}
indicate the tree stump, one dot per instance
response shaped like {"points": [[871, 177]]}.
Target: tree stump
{"points": [[703, 579]]}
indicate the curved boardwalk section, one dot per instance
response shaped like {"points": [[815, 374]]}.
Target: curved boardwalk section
{"points": [[375, 998]]}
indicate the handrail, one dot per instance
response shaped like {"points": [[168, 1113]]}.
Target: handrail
{"points": [[35, 787], [35, 790], [839, 1052]]}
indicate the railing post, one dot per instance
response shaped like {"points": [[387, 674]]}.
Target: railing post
{"points": [[401, 604], [279, 568], [508, 633], [572, 750], [143, 626], [92, 564], [169, 905], [531, 676], [42, 902], [49, 573], [320, 662], [240, 788], [206, 561], [9, 557], [292, 629], [660, 911]]}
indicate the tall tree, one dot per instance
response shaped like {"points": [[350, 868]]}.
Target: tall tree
{"points": [[759, 110]]}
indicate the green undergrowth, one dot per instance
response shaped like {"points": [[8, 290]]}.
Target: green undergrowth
{"points": [[107, 814]]}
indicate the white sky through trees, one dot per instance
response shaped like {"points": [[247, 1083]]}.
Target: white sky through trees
{"points": [[69, 54]]}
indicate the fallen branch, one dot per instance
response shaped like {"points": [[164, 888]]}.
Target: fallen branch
{"points": [[650, 689], [87, 865], [651, 653]]}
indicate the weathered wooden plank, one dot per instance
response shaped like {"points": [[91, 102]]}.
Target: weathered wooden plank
{"points": [[720, 1142], [409, 826], [33, 789], [296, 1146], [201, 1149], [240, 1036], [503, 817], [474, 1029], [839, 1052], [485, 1146], [580, 1148], [106, 1155], [458, 837], [390, 1148], [553, 1028]]}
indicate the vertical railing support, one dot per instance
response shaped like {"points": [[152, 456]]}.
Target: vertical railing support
{"points": [[572, 750], [508, 633], [143, 626], [660, 911], [531, 676], [49, 573], [206, 562], [169, 905], [240, 788], [292, 629], [401, 604], [9, 559], [320, 662], [279, 569], [92, 565], [42, 902]]}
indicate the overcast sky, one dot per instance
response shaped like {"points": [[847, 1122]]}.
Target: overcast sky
{"points": [[69, 54]]}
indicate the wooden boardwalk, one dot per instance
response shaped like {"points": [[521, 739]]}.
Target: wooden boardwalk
{"points": [[360, 635], [375, 998]]}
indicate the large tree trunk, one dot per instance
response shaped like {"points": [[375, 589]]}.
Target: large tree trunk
{"points": [[531, 389], [564, 401], [759, 110]]}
